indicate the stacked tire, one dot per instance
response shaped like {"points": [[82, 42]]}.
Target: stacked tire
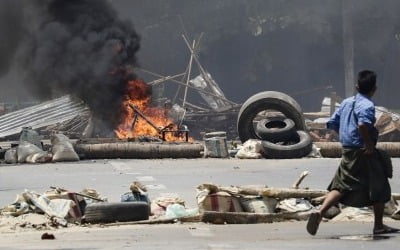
{"points": [[283, 137]]}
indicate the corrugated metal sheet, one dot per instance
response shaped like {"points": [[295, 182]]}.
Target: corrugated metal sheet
{"points": [[42, 115]]}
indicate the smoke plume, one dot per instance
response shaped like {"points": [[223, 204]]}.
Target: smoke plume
{"points": [[78, 47], [11, 28]]}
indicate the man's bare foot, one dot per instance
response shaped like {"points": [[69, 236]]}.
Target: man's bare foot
{"points": [[313, 222], [385, 230]]}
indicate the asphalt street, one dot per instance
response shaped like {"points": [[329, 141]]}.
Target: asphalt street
{"points": [[111, 178]]}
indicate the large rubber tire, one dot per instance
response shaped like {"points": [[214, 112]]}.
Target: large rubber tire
{"points": [[300, 149], [269, 100], [276, 129], [108, 212]]}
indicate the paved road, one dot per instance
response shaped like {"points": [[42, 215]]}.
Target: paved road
{"points": [[112, 178], [288, 235]]}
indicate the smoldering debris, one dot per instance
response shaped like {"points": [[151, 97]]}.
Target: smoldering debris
{"points": [[80, 48]]}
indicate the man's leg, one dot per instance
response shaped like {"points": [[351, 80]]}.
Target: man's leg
{"points": [[332, 198], [379, 227], [378, 215]]}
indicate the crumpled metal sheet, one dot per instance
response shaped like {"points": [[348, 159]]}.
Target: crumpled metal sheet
{"points": [[47, 113]]}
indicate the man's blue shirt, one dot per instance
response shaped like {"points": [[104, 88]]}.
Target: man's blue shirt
{"points": [[345, 121]]}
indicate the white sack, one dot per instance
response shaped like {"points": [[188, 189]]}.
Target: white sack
{"points": [[10, 156], [25, 149], [251, 149], [62, 149]]}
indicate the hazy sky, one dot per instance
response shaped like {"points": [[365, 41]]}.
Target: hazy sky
{"points": [[248, 46]]}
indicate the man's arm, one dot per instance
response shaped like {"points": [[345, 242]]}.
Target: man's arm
{"points": [[334, 121]]}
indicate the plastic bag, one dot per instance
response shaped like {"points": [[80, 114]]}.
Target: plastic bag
{"points": [[132, 197], [31, 136], [177, 211]]}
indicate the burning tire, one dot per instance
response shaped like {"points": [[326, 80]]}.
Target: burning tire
{"points": [[301, 147], [109, 212], [269, 100], [276, 129]]}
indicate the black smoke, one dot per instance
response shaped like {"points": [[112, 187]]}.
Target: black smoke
{"points": [[12, 30], [78, 47]]}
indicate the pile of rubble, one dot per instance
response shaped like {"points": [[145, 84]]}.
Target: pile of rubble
{"points": [[261, 204], [59, 207]]}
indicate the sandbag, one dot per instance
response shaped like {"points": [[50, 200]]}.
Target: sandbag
{"points": [[251, 149], [40, 157], [220, 202], [57, 138], [25, 149], [30, 135], [258, 204], [62, 149], [10, 156]]}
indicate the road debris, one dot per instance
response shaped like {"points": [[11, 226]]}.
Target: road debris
{"points": [[59, 207], [220, 205], [54, 208]]}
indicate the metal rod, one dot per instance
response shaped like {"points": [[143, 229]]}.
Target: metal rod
{"points": [[166, 78], [189, 73], [333, 103], [186, 70], [135, 118], [196, 107], [202, 70], [145, 118], [184, 84], [182, 118], [312, 90]]}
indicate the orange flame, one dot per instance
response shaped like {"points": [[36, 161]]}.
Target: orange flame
{"points": [[133, 125]]}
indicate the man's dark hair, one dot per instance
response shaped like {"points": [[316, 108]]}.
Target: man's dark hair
{"points": [[366, 81]]}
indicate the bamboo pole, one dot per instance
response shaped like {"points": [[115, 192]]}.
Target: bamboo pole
{"points": [[334, 149], [194, 218], [251, 218], [136, 150]]}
